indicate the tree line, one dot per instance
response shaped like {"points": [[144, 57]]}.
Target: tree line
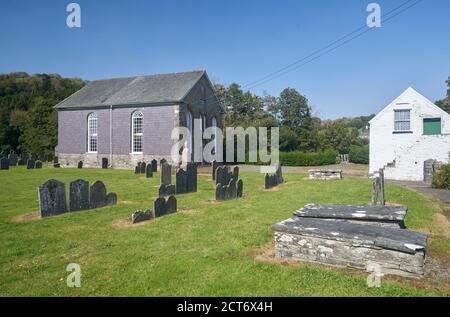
{"points": [[28, 121]]}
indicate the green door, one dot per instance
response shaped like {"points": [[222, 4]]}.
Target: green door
{"points": [[432, 126]]}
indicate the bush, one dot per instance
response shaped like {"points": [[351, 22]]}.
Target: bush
{"points": [[308, 159], [442, 178], [359, 154]]}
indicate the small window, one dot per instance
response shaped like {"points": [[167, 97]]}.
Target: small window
{"points": [[92, 133], [432, 126], [190, 128], [137, 127], [402, 120]]}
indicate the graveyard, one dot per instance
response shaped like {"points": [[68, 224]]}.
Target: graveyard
{"points": [[208, 243]]}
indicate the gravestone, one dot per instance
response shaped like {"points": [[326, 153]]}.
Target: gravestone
{"points": [[149, 171], [105, 162], [142, 168], [181, 181], [166, 190], [159, 207], [111, 199], [79, 195], [236, 173], [272, 180], [224, 174], [12, 159], [154, 165], [31, 164], [214, 166], [38, 164], [80, 164], [52, 198], [162, 207], [166, 174], [240, 188], [191, 174], [137, 169], [55, 160], [139, 216], [97, 195], [171, 205], [4, 163], [56, 165]]}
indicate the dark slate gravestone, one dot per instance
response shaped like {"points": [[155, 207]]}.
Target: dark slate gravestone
{"points": [[191, 173], [236, 173], [136, 169], [79, 195], [80, 164], [166, 190], [154, 165], [272, 180], [38, 164], [139, 216], [214, 166], [31, 164], [55, 160], [239, 188], [181, 181], [166, 174], [21, 162], [52, 198], [171, 205], [12, 159], [104, 162], [142, 169], [224, 175], [149, 171], [56, 165], [111, 199], [97, 195], [159, 207], [4, 163], [219, 192]]}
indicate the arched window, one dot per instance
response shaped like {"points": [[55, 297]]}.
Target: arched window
{"points": [[203, 123], [189, 127], [92, 133], [137, 127], [214, 125]]}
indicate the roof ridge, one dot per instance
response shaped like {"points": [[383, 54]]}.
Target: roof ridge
{"points": [[146, 76]]}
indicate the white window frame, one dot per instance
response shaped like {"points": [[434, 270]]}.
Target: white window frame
{"points": [[92, 120], [402, 120], [214, 126], [189, 126], [137, 115]]}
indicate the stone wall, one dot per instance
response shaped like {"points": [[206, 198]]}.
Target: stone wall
{"points": [[124, 161]]}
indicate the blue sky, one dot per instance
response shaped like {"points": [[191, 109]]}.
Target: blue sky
{"points": [[239, 41]]}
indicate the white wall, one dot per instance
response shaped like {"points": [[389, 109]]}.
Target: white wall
{"points": [[409, 150]]}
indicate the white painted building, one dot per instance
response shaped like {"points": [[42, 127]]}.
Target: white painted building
{"points": [[405, 134]]}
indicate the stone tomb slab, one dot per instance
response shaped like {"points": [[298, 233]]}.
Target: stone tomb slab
{"points": [[387, 216], [345, 244]]}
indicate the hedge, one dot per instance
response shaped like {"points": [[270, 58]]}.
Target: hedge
{"points": [[359, 154], [297, 158], [442, 178]]}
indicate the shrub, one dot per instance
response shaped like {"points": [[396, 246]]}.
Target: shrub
{"points": [[308, 159], [359, 154], [441, 179]]}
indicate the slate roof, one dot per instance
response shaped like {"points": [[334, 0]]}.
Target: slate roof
{"points": [[154, 89]]}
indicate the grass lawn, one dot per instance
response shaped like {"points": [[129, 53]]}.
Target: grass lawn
{"points": [[207, 249]]}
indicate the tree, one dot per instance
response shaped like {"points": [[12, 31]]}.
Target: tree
{"points": [[445, 103]]}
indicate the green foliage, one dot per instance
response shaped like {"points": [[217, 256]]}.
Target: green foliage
{"points": [[445, 103], [441, 179], [339, 136], [27, 117], [308, 159], [359, 154]]}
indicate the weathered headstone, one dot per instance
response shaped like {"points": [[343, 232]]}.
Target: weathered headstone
{"points": [[104, 162], [191, 174], [378, 189], [236, 173], [38, 164], [166, 174], [79, 195], [56, 165], [214, 166], [97, 195], [12, 159], [80, 164], [31, 164], [4, 163], [142, 168], [171, 205], [149, 171], [272, 180], [239, 188], [224, 175], [181, 181], [166, 190], [52, 198], [159, 207], [154, 165], [139, 216], [111, 199], [137, 169]]}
